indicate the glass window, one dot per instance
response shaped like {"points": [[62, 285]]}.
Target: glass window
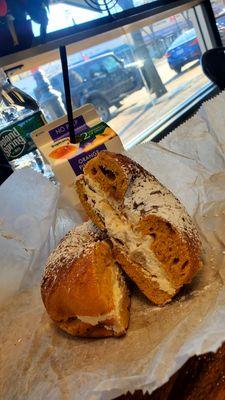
{"points": [[111, 64], [159, 71], [219, 12], [96, 70], [36, 22]]}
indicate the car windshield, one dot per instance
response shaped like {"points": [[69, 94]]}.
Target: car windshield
{"points": [[111, 64], [185, 37]]}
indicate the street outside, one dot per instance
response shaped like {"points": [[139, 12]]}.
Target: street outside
{"points": [[141, 109]]}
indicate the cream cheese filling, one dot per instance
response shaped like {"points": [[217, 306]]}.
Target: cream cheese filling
{"points": [[119, 229], [114, 314]]}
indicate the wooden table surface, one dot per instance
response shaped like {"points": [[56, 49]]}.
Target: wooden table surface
{"points": [[201, 378]]}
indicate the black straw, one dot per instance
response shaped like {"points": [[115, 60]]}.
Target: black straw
{"points": [[66, 82]]}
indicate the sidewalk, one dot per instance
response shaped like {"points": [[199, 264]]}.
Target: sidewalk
{"points": [[140, 109]]}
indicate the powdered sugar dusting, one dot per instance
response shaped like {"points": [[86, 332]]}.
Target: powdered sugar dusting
{"points": [[146, 195], [77, 242]]}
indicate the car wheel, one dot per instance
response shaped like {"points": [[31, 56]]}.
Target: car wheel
{"points": [[101, 108], [177, 69]]}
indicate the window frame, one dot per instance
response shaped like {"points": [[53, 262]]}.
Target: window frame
{"points": [[107, 28], [94, 31]]}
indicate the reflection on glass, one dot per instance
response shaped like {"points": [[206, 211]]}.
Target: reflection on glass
{"points": [[219, 12], [62, 15], [136, 83], [26, 23]]}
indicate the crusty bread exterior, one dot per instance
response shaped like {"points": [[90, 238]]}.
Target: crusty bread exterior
{"points": [[152, 212], [78, 283], [112, 171]]}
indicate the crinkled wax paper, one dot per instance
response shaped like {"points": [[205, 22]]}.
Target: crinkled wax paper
{"points": [[39, 361]]}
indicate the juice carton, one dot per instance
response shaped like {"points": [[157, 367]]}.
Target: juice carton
{"points": [[66, 159]]}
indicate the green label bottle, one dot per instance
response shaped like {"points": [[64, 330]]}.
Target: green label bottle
{"points": [[19, 117], [15, 138]]}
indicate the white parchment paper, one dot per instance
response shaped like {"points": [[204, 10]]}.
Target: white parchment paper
{"points": [[40, 362]]}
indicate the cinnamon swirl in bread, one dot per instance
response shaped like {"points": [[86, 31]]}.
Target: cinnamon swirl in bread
{"points": [[82, 288], [154, 239]]}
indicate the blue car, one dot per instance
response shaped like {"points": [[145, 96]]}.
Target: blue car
{"points": [[184, 49], [220, 22]]}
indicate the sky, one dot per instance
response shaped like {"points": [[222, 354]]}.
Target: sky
{"points": [[63, 15]]}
